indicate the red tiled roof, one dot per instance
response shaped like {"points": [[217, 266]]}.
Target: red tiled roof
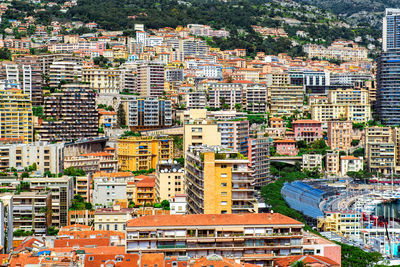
{"points": [[146, 182], [350, 157], [307, 259], [213, 219], [88, 234], [82, 242]]}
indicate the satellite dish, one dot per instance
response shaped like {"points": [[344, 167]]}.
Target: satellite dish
{"points": [[170, 161], [174, 170]]}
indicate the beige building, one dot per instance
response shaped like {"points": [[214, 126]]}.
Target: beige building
{"points": [[46, 156], [332, 163], [380, 149], [113, 219], [201, 133], [285, 99], [348, 96], [358, 113], [340, 49], [103, 80], [339, 134], [169, 181], [82, 187]]}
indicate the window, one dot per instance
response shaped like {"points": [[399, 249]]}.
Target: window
{"points": [[116, 227], [224, 194], [91, 258], [223, 166], [119, 259], [174, 264], [224, 175], [224, 184], [224, 203], [108, 227]]}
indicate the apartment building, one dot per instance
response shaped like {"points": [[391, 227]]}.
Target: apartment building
{"points": [[307, 130], [258, 155], [169, 180], [234, 135], [332, 163], [148, 113], [196, 100], [286, 147], [256, 98], [242, 236], [104, 81], [348, 96], [145, 191], [339, 134], [46, 156], [62, 192], [31, 211], [106, 190], [16, 115], [218, 181], [201, 133], [285, 99], [357, 113], [93, 162], [81, 217], [390, 29], [107, 119], [312, 162], [344, 223], [150, 79], [225, 95], [178, 204], [64, 71], [387, 97], [277, 79], [70, 114], [380, 149], [340, 49], [350, 164], [143, 153], [83, 186], [26, 73], [112, 219]]}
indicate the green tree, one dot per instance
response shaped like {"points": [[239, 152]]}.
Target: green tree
{"points": [[121, 116], [165, 204]]}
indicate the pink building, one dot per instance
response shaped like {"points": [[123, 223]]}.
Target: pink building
{"points": [[307, 130], [286, 147]]}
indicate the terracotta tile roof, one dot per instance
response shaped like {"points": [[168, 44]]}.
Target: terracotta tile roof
{"points": [[213, 219], [109, 149], [117, 260], [76, 227], [90, 234], [313, 260], [306, 121], [349, 158], [285, 141], [275, 119], [82, 242], [23, 259], [97, 154], [146, 182], [106, 112], [90, 250]]}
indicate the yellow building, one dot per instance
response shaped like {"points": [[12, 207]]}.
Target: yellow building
{"points": [[16, 115], [357, 113], [201, 133], [344, 223], [285, 99], [143, 153], [218, 182]]}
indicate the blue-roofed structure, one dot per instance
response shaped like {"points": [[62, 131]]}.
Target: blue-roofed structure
{"points": [[303, 198]]}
